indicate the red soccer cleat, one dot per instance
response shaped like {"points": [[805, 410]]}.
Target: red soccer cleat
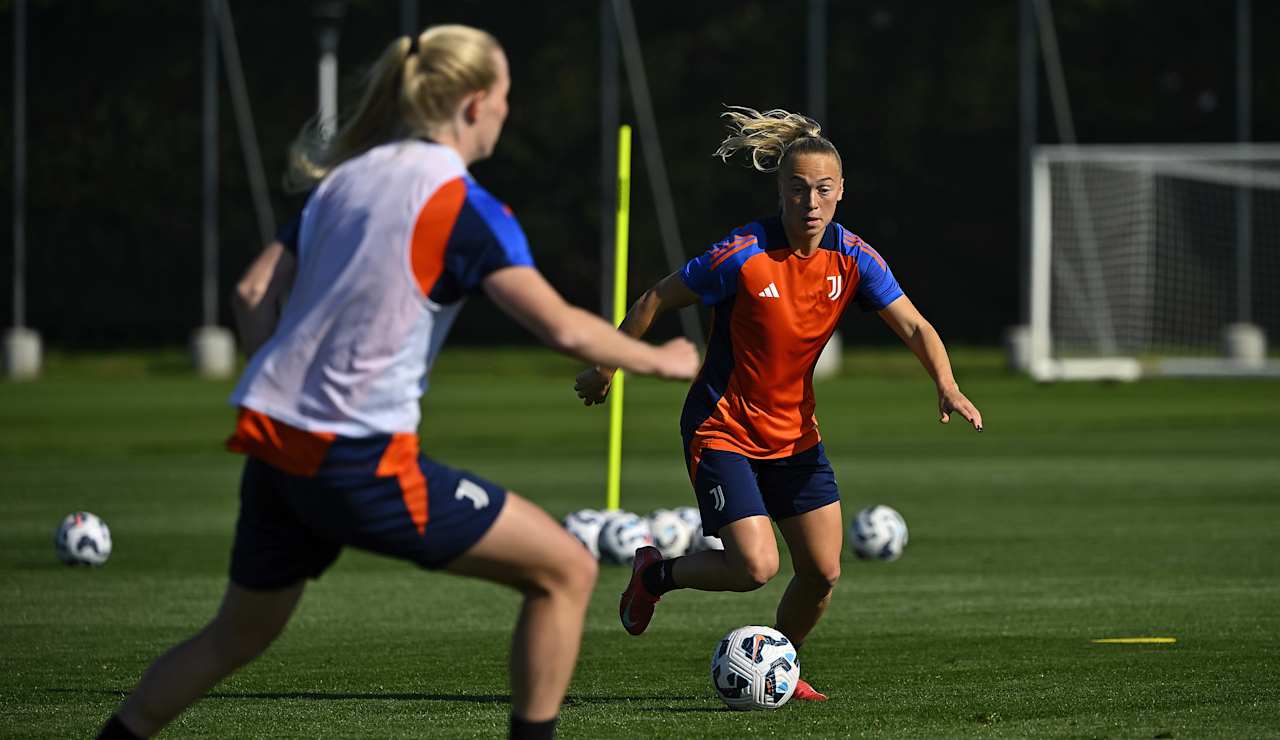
{"points": [[636, 606], [805, 692]]}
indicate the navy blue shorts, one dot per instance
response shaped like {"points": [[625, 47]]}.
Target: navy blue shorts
{"points": [[730, 486], [293, 527]]}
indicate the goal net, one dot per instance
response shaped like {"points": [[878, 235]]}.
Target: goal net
{"points": [[1155, 260]]}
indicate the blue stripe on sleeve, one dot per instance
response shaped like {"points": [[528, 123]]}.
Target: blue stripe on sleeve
{"points": [[486, 237], [713, 275], [877, 287]]}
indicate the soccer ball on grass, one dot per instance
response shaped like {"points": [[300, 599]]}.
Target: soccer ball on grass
{"points": [[622, 535], [698, 540], [878, 533], [755, 668], [585, 526], [82, 539], [672, 535]]}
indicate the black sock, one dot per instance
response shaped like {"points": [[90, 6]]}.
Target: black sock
{"points": [[794, 644], [523, 729], [658, 578], [114, 729]]}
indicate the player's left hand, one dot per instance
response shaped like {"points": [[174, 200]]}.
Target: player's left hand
{"points": [[952, 401]]}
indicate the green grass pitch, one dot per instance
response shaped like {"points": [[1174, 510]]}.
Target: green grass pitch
{"points": [[1084, 511]]}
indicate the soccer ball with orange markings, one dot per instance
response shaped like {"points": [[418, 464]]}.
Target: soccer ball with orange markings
{"points": [[755, 668], [82, 539]]}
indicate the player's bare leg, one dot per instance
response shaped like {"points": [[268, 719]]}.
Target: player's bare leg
{"points": [[527, 550], [246, 623], [814, 540], [749, 559]]}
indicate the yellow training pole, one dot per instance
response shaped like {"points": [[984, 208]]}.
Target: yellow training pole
{"points": [[621, 229]]}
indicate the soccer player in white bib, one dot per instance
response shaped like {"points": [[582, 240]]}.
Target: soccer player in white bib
{"points": [[394, 236]]}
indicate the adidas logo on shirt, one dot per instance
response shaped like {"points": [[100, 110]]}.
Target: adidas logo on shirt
{"points": [[769, 292]]}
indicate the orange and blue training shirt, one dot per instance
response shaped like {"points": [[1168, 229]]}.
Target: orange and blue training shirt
{"points": [[772, 312]]}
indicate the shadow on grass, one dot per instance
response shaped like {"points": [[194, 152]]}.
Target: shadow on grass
{"points": [[357, 696], [688, 709], [43, 564], [570, 700]]}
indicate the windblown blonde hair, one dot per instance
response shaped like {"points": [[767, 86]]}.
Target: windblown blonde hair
{"points": [[771, 137], [408, 92]]}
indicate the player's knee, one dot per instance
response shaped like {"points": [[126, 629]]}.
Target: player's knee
{"points": [[832, 576], [759, 571], [823, 579], [572, 572], [582, 572]]}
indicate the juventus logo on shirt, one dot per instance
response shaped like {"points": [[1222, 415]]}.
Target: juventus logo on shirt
{"points": [[837, 284], [769, 292]]}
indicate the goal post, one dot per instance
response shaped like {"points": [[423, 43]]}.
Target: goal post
{"points": [[1154, 260]]}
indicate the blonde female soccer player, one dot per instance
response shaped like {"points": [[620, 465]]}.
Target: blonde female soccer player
{"points": [[777, 288], [394, 236]]}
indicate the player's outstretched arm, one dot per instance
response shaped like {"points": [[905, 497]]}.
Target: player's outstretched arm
{"points": [[923, 340], [592, 384], [261, 293], [523, 294]]}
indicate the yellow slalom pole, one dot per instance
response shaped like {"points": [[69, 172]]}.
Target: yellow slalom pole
{"points": [[622, 227]]}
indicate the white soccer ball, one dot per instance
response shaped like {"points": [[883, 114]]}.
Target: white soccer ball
{"points": [[671, 533], [755, 668], [82, 539], [698, 541], [878, 533], [585, 526], [622, 535]]}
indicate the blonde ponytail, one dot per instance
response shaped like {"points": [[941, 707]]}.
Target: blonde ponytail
{"points": [[411, 90], [771, 136]]}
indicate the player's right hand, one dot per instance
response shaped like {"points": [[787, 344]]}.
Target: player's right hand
{"points": [[676, 360], [679, 360], [592, 385]]}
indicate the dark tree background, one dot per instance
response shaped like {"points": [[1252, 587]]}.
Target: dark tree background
{"points": [[922, 103]]}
